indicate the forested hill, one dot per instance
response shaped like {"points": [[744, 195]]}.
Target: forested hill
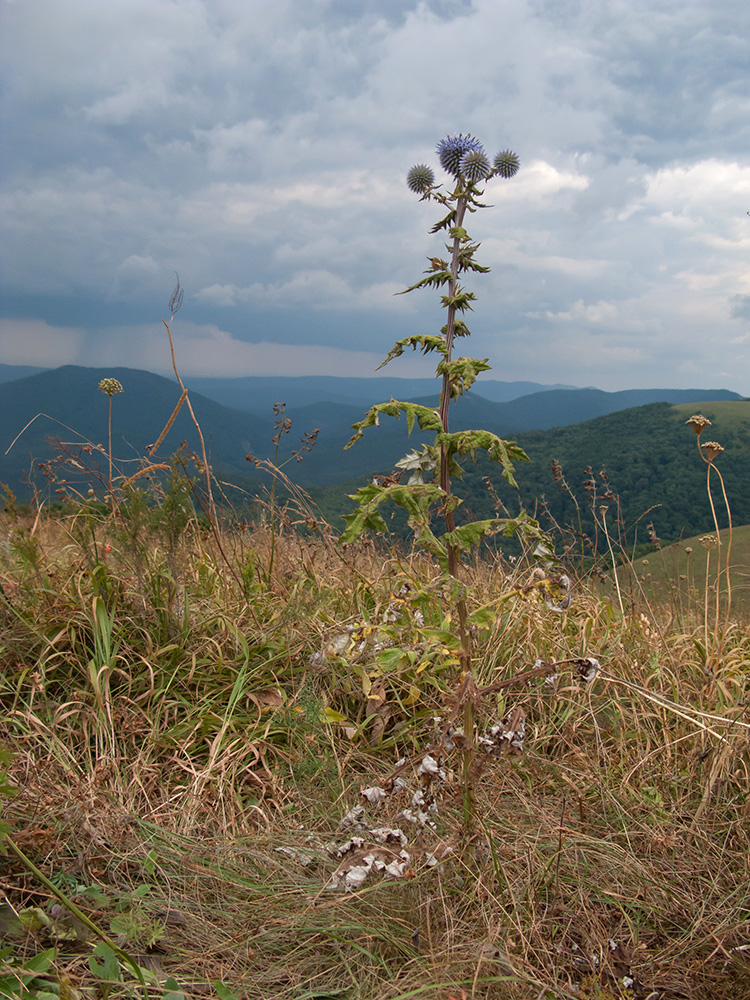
{"points": [[649, 455], [651, 462]]}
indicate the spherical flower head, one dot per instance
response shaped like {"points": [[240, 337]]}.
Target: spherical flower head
{"points": [[475, 166], [452, 149], [420, 178], [110, 386], [506, 164], [709, 541]]}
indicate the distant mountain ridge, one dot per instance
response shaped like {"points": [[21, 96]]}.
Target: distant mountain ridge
{"points": [[9, 373], [257, 394], [68, 406], [69, 395]]}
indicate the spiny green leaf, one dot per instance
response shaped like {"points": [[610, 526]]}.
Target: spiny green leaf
{"points": [[468, 535], [432, 280], [460, 301], [425, 341], [444, 223], [470, 442], [416, 500], [460, 329], [428, 420], [462, 373]]}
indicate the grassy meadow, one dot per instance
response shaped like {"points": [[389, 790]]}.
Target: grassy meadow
{"points": [[235, 766]]}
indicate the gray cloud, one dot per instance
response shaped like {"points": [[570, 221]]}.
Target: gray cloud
{"points": [[260, 149]]}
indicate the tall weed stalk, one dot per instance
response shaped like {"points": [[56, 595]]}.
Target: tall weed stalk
{"points": [[429, 489]]}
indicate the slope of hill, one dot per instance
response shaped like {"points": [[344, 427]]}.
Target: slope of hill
{"points": [[381, 448], [651, 463], [646, 450], [677, 573], [70, 395], [9, 373]]}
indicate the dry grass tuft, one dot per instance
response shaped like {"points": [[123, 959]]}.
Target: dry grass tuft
{"points": [[184, 748]]}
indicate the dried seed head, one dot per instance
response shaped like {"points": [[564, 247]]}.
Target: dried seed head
{"points": [[110, 386], [711, 449], [175, 300], [698, 422], [709, 541]]}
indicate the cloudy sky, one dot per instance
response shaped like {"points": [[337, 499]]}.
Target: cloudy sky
{"points": [[259, 148]]}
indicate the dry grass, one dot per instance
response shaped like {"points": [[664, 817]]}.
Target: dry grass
{"points": [[170, 733]]}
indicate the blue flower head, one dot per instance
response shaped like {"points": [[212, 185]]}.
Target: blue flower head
{"points": [[453, 149]]}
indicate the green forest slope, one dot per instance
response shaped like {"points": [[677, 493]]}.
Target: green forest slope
{"points": [[648, 456]]}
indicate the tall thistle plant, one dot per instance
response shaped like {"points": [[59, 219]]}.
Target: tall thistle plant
{"points": [[429, 489]]}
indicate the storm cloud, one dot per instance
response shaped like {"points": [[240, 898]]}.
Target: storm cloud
{"points": [[259, 149]]}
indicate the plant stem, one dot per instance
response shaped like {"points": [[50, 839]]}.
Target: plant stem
{"points": [[445, 476], [109, 428], [273, 508], [467, 684]]}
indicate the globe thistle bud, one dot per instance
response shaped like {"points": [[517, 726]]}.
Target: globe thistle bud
{"points": [[475, 166], [452, 149], [506, 164], [110, 386], [420, 178]]}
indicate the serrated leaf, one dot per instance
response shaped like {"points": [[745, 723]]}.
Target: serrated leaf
{"points": [[498, 450], [462, 373], [428, 420], [425, 341], [434, 279], [444, 223], [460, 300], [468, 535]]}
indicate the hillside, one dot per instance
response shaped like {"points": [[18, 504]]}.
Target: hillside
{"points": [[676, 573], [651, 462], [70, 395], [649, 455]]}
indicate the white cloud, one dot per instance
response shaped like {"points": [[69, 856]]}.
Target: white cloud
{"points": [[259, 149]]}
